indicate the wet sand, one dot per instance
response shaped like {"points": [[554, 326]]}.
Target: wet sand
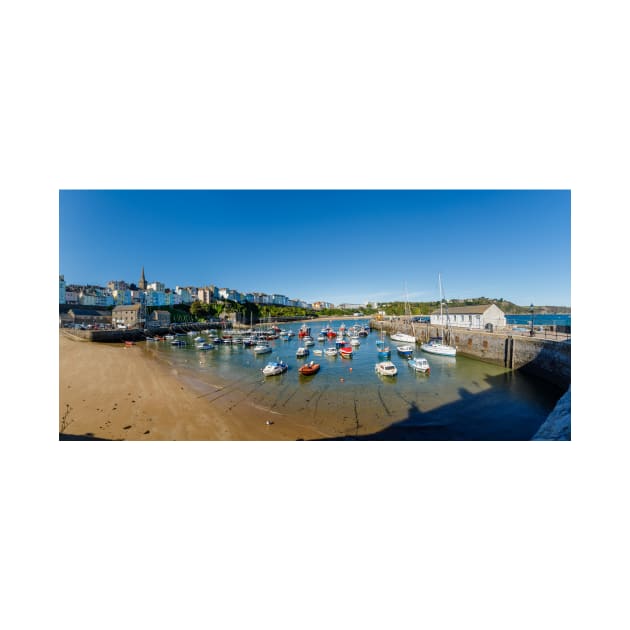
{"points": [[113, 392]]}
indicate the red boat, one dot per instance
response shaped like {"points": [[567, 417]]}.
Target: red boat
{"points": [[331, 334], [309, 368], [346, 351], [304, 331]]}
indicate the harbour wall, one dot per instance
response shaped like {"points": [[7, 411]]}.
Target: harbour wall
{"points": [[134, 334], [549, 360]]}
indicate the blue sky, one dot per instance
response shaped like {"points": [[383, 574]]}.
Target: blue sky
{"points": [[334, 245]]}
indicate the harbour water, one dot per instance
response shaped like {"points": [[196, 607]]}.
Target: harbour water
{"points": [[460, 399]]}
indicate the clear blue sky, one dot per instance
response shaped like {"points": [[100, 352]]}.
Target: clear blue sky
{"points": [[334, 245]]}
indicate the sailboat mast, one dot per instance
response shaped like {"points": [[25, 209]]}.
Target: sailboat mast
{"points": [[446, 307]]}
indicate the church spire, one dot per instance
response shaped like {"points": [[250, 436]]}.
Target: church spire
{"points": [[142, 284]]}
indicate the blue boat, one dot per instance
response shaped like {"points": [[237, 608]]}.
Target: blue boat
{"points": [[405, 351], [384, 353]]}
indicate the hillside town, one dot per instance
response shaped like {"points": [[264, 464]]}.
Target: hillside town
{"points": [[132, 305], [121, 293]]}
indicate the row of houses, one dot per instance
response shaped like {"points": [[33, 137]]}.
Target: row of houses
{"points": [[119, 293]]}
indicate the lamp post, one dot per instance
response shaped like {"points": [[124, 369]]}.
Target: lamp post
{"points": [[531, 313]]}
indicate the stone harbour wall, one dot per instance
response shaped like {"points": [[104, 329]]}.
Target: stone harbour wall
{"points": [[557, 426], [547, 359]]}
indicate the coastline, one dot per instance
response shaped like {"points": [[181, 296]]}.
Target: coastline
{"points": [[113, 392]]}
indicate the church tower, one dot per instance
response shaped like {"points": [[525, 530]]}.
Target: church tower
{"points": [[142, 283]]}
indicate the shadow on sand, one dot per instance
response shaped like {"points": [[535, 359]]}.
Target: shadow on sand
{"points": [[83, 438]]}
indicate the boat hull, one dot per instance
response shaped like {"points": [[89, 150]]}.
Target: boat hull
{"points": [[445, 351], [403, 337]]}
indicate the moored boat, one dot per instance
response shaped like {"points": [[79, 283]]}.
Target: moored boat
{"points": [[275, 367], [386, 368], [346, 352], [405, 351], [436, 346], [331, 352], [403, 337], [384, 353], [309, 368], [301, 352], [419, 364], [262, 348]]}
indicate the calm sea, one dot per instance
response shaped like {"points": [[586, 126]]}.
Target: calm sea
{"points": [[461, 399], [540, 320]]}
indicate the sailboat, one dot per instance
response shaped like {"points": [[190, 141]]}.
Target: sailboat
{"points": [[436, 345], [399, 336], [383, 350]]}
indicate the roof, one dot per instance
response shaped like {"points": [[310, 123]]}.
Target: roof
{"points": [[466, 310], [88, 312], [127, 307]]}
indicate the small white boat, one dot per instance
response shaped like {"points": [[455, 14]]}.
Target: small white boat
{"points": [[403, 337], [169, 337], [435, 346], [331, 352], [321, 338], [262, 348], [419, 364], [318, 351], [302, 352], [275, 367], [386, 368], [198, 339], [355, 341], [308, 341], [205, 346]]}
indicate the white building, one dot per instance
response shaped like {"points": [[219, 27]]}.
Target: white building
{"points": [[473, 317], [72, 296], [186, 294]]}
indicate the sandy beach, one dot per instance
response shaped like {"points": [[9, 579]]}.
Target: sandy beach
{"points": [[113, 392]]}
